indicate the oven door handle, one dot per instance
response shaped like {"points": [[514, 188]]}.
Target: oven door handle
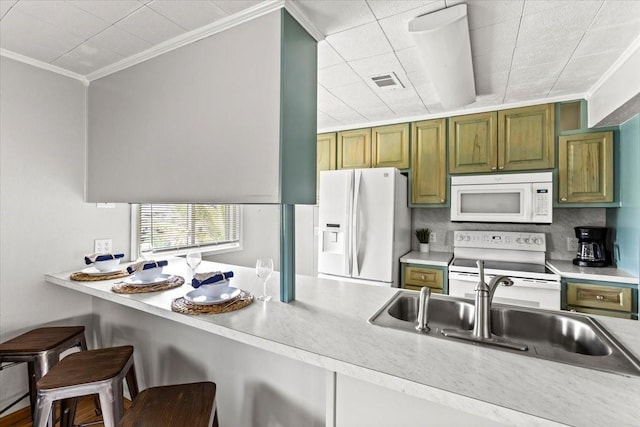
{"points": [[467, 277]]}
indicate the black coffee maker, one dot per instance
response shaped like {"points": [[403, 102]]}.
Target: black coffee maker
{"points": [[591, 247]]}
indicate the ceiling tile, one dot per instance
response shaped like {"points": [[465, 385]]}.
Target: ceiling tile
{"points": [[109, 10], [359, 96], [190, 14], [425, 90], [119, 41], [379, 113], [484, 101], [532, 75], [234, 6], [485, 13], [588, 67], [557, 50], [487, 84], [492, 63], [87, 58], [336, 108], [26, 35], [533, 7], [326, 121], [396, 27], [376, 65], [327, 55], [500, 37], [5, 5], [150, 26], [331, 17], [64, 16], [384, 9], [360, 42], [614, 13], [556, 23], [410, 59], [337, 75], [601, 40]]}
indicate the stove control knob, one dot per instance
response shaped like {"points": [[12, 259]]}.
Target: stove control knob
{"points": [[459, 237], [519, 240], [527, 240], [467, 238], [537, 241]]}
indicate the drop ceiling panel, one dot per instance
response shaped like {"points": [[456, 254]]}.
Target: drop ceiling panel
{"points": [[327, 55], [384, 9], [190, 15], [609, 39], [87, 57], [108, 10], [500, 37], [360, 97], [360, 42], [332, 17], [120, 41], [337, 75], [538, 53], [483, 14], [377, 65], [150, 26], [410, 59], [234, 6], [396, 27], [555, 24], [613, 13], [5, 5]]}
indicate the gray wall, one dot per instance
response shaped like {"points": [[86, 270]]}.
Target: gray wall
{"points": [[45, 226], [564, 220]]}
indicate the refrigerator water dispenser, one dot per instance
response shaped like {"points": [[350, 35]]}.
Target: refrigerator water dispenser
{"points": [[333, 239]]}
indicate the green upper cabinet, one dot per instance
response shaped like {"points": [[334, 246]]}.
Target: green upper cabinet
{"points": [[526, 138], [354, 149], [472, 143], [429, 162], [390, 146], [585, 168], [507, 140]]}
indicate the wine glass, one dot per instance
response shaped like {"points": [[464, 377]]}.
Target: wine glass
{"points": [[264, 268], [193, 261], [146, 251]]}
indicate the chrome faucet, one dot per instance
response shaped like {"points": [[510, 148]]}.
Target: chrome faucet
{"points": [[423, 309], [484, 296]]}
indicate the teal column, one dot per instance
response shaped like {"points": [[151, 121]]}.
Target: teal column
{"points": [[287, 253]]}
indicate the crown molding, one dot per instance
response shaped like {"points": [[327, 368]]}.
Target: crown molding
{"points": [[43, 65], [302, 19], [614, 67], [241, 17]]}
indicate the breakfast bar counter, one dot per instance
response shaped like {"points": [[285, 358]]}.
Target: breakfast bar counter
{"points": [[326, 327]]}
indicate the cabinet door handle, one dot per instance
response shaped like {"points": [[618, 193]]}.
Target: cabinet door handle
{"points": [[564, 199], [501, 167], [423, 277], [441, 200], [600, 297], [493, 168]]}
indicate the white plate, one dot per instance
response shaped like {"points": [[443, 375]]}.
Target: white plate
{"points": [[198, 296], [137, 282], [92, 271]]}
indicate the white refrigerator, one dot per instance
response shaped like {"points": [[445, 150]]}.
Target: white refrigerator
{"points": [[364, 225]]}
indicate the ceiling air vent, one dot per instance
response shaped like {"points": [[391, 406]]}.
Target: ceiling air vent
{"points": [[387, 81]]}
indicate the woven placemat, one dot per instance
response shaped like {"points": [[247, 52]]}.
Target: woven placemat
{"points": [[170, 283], [84, 277], [181, 305]]}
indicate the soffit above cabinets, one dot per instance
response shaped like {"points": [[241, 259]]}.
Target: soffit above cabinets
{"points": [[524, 51]]}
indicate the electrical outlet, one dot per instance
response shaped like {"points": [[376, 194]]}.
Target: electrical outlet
{"points": [[102, 245], [572, 244], [433, 237]]}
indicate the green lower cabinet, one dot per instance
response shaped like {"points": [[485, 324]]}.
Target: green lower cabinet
{"points": [[416, 276], [602, 298]]}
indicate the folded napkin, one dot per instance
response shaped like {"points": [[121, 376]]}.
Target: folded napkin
{"points": [[91, 258], [145, 265], [200, 279]]}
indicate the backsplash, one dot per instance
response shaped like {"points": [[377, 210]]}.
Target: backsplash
{"points": [[564, 219]]}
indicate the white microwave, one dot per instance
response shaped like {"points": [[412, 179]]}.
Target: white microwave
{"points": [[518, 197]]}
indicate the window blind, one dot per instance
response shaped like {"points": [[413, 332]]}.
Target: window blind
{"points": [[178, 226]]}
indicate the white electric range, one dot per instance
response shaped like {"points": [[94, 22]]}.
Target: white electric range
{"points": [[521, 256]]}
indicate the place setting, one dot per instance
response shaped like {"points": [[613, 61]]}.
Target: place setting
{"points": [[101, 266], [147, 276], [212, 292]]}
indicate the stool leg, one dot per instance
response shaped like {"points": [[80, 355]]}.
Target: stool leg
{"points": [[44, 412], [96, 401], [111, 402], [132, 382], [32, 387]]}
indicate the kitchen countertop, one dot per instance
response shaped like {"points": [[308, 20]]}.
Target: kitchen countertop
{"points": [[428, 258], [607, 274], [327, 327]]}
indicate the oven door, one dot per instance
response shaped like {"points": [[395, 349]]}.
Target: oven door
{"points": [[524, 292], [492, 203]]}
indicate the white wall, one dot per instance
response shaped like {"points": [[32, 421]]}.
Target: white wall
{"points": [[45, 226]]}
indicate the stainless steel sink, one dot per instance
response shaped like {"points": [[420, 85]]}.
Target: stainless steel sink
{"points": [[563, 337]]}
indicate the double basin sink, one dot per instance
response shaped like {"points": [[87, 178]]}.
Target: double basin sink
{"points": [[559, 336]]}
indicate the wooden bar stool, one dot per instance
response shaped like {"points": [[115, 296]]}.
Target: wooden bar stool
{"points": [[183, 405], [41, 349], [88, 372]]}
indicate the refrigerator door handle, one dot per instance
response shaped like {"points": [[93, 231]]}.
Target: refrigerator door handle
{"points": [[349, 233], [354, 230]]}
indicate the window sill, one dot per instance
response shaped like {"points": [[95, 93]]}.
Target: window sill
{"points": [[204, 250]]}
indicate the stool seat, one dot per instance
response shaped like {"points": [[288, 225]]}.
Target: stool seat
{"points": [[87, 367], [84, 373], [41, 339], [41, 349], [183, 405]]}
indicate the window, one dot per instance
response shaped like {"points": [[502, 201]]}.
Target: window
{"points": [[179, 228]]}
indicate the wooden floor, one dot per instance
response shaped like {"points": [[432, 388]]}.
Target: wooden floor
{"points": [[85, 414]]}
